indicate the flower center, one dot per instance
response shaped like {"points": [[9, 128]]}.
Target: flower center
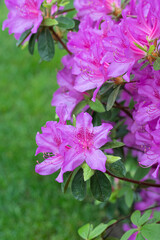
{"points": [[85, 139]]}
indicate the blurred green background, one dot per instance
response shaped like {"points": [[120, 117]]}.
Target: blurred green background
{"points": [[31, 206]]}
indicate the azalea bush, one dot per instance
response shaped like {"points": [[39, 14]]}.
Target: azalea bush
{"points": [[106, 140]]}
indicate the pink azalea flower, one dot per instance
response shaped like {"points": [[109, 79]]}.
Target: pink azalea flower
{"points": [[50, 143], [85, 141], [96, 9], [66, 94], [23, 15]]}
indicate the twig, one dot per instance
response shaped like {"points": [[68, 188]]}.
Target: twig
{"points": [[147, 184], [134, 148], [117, 105], [60, 40], [65, 11]]}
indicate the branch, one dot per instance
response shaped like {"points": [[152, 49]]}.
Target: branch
{"points": [[65, 11], [60, 40], [134, 148], [147, 184], [117, 105]]}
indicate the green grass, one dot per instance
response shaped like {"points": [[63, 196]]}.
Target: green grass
{"points": [[31, 206]]}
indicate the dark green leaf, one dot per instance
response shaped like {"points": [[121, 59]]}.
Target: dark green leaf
{"points": [[65, 22], [144, 217], [151, 231], [85, 230], [46, 45], [105, 88], [117, 168], [128, 234], [79, 107], [31, 43], [76, 27], [131, 104], [112, 98], [23, 37], [144, 65], [105, 115], [96, 106], [79, 186], [111, 238], [135, 217], [96, 120], [100, 186], [132, 76], [141, 173], [113, 144], [66, 180], [129, 197], [156, 64]]}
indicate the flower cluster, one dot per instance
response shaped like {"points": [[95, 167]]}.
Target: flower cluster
{"points": [[110, 47], [66, 147]]}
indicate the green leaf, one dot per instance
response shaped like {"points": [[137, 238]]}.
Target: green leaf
{"points": [[141, 173], [97, 231], [87, 171], [85, 230], [140, 47], [139, 237], [132, 76], [156, 215], [111, 238], [100, 186], [100, 229], [117, 168], [129, 197], [105, 88], [79, 107], [76, 27], [144, 217], [46, 45], [128, 234], [74, 120], [96, 120], [131, 104], [111, 159], [66, 180], [65, 22], [49, 22], [96, 106], [135, 217], [156, 64], [112, 98], [113, 144], [151, 49], [32, 42], [79, 186], [151, 231], [23, 37], [144, 65]]}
